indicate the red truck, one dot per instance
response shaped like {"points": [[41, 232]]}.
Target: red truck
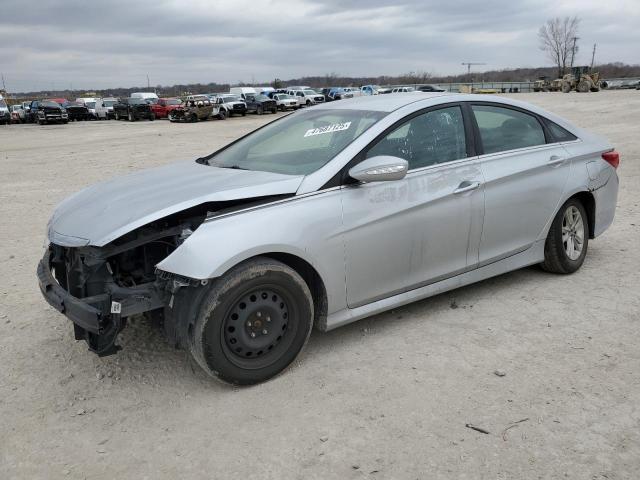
{"points": [[163, 106]]}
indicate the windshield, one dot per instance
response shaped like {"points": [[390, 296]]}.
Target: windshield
{"points": [[310, 92], [298, 144], [109, 103], [137, 101], [3, 104], [49, 104], [230, 99], [173, 101], [90, 104]]}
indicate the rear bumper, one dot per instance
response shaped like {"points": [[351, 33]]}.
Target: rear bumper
{"points": [[606, 199]]}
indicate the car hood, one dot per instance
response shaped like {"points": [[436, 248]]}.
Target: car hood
{"points": [[103, 212]]}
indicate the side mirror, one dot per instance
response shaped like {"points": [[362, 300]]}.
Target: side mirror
{"points": [[382, 168]]}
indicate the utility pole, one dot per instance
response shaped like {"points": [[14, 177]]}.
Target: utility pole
{"points": [[468, 64], [573, 50], [593, 55], [4, 87], [148, 85]]}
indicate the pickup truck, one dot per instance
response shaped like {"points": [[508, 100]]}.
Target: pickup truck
{"points": [[163, 106], [133, 109], [43, 112]]}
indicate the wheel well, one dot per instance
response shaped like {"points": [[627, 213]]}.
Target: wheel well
{"points": [[313, 281], [589, 204]]}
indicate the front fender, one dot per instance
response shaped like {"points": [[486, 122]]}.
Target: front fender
{"points": [[308, 227]]}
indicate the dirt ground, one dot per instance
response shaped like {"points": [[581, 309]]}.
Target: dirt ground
{"points": [[384, 398]]}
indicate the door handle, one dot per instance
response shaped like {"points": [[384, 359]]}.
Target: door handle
{"points": [[466, 186], [555, 160]]}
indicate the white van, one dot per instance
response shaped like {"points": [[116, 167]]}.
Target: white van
{"points": [[97, 109], [149, 96], [242, 91]]}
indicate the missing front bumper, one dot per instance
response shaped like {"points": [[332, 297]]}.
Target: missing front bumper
{"points": [[98, 319]]}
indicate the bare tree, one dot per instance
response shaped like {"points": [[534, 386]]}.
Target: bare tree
{"points": [[557, 39]]}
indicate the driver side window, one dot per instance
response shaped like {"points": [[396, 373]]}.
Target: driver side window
{"points": [[434, 137]]}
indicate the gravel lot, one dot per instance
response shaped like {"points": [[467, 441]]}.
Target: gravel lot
{"points": [[384, 398]]}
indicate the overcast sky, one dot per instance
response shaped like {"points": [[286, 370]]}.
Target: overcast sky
{"points": [[47, 44]]}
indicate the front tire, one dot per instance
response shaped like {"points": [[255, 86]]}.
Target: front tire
{"points": [[566, 246], [252, 323], [131, 117]]}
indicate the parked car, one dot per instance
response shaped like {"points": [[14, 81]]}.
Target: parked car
{"points": [[194, 109], [403, 89], [307, 97], [43, 112], [5, 115], [430, 88], [75, 111], [354, 92], [18, 115], [323, 217], [133, 109], [243, 91], [108, 103], [258, 103], [149, 96], [230, 104], [284, 101], [97, 109], [163, 106]]}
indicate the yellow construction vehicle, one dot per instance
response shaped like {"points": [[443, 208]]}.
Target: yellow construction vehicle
{"points": [[581, 79]]}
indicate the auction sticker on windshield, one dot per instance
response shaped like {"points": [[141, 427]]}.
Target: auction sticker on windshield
{"points": [[336, 127]]}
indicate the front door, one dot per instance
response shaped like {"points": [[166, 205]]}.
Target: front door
{"points": [[400, 235]]}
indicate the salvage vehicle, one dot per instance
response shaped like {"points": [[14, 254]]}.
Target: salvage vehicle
{"points": [[194, 109], [402, 89], [259, 103], [323, 217], [17, 114], [75, 111], [97, 109], [43, 112], [581, 79], [430, 88], [284, 101], [5, 115], [163, 106], [230, 104], [307, 97], [133, 109]]}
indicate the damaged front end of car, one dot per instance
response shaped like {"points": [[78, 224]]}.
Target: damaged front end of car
{"points": [[99, 287]]}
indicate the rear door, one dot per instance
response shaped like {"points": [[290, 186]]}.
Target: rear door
{"points": [[525, 175], [404, 234]]}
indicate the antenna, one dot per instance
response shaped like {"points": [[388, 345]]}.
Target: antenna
{"points": [[468, 64]]}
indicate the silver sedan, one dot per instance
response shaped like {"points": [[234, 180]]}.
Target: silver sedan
{"points": [[324, 217]]}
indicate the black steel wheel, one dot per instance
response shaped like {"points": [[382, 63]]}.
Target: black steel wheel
{"points": [[253, 322]]}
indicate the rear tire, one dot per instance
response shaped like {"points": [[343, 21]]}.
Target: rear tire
{"points": [[117, 116], [566, 246], [259, 110], [222, 115], [131, 117], [566, 87], [252, 323]]}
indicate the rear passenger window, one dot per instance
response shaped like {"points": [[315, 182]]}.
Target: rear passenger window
{"points": [[433, 137], [503, 129], [559, 133]]}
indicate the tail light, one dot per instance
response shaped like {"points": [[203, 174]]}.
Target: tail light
{"points": [[612, 158]]}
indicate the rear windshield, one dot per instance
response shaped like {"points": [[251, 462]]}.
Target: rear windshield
{"points": [[298, 144]]}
